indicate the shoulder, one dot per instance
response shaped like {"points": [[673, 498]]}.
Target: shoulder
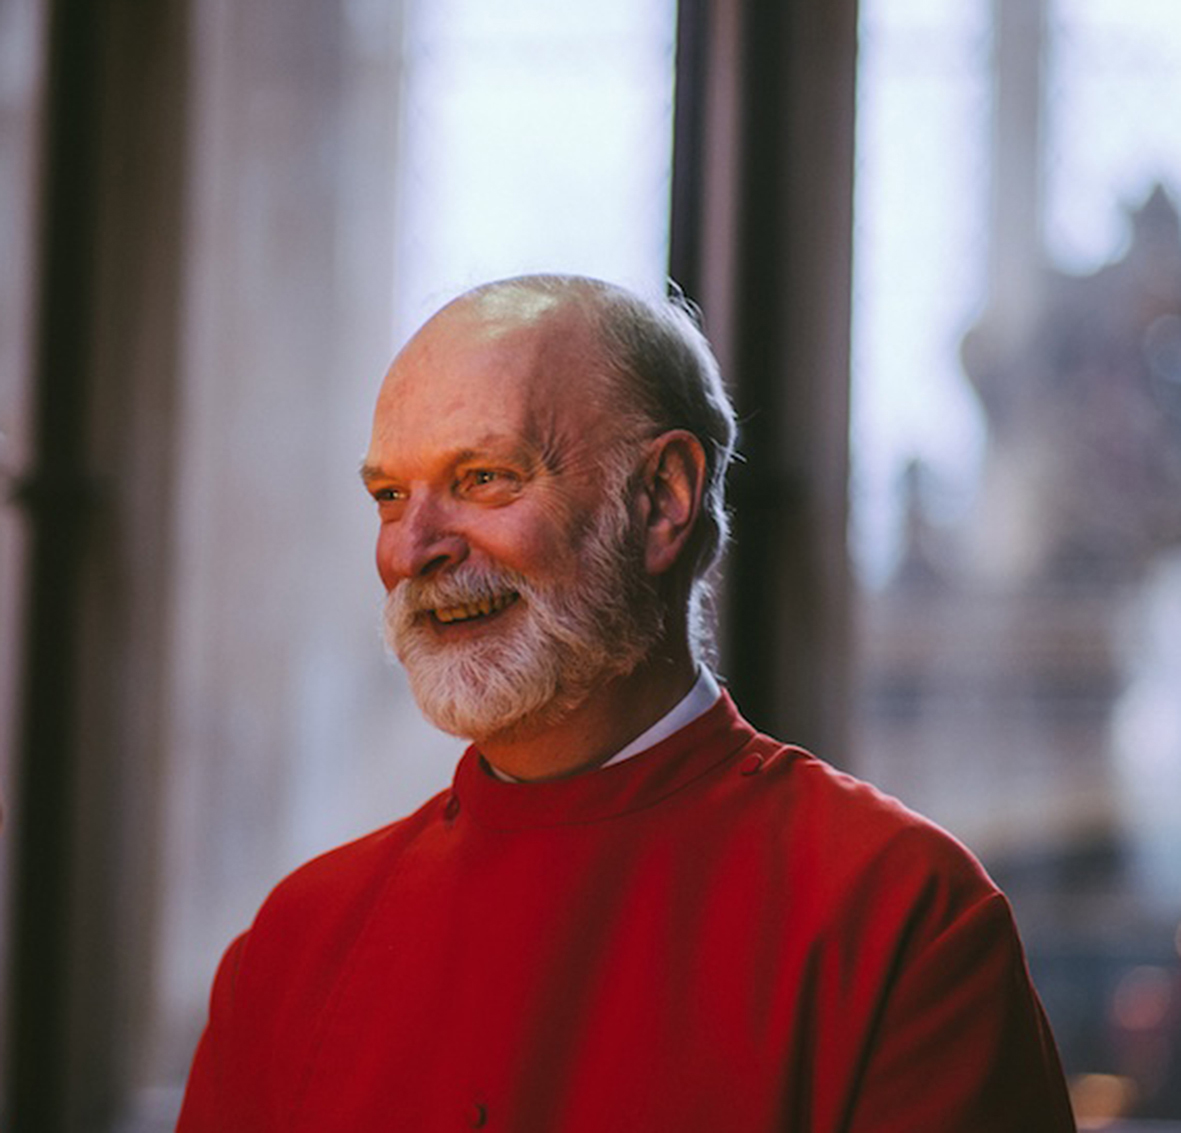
{"points": [[855, 840]]}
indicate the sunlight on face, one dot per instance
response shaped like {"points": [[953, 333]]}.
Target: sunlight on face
{"points": [[561, 641]]}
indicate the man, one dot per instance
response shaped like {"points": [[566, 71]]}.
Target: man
{"points": [[631, 911]]}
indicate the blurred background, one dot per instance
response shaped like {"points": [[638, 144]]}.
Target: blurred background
{"points": [[937, 248]]}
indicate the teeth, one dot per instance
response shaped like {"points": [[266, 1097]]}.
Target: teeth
{"points": [[482, 607]]}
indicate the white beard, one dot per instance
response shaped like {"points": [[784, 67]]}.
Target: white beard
{"points": [[554, 648]]}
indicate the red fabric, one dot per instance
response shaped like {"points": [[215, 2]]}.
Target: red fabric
{"points": [[722, 935]]}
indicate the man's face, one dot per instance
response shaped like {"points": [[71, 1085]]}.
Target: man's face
{"points": [[507, 548]]}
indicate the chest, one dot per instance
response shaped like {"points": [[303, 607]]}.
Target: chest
{"points": [[567, 980]]}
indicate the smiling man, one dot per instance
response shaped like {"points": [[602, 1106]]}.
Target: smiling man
{"points": [[526, 614], [631, 911]]}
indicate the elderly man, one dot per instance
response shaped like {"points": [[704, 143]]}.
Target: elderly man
{"points": [[630, 912]]}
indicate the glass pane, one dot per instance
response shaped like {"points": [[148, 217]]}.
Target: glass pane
{"points": [[535, 137], [1017, 487]]}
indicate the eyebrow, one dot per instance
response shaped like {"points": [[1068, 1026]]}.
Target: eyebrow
{"points": [[486, 450]]}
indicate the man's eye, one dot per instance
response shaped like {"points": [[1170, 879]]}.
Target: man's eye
{"points": [[489, 482], [389, 495]]}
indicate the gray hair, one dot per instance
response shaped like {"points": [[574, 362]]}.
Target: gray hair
{"points": [[669, 376]]}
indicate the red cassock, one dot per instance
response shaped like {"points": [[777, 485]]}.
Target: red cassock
{"points": [[722, 934]]}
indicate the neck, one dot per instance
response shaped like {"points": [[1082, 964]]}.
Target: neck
{"points": [[606, 721]]}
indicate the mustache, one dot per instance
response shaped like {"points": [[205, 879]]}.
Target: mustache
{"points": [[467, 583]]}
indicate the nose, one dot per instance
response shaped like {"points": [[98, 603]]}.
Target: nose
{"points": [[416, 544]]}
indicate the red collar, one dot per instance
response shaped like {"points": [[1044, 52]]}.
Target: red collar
{"points": [[638, 782]]}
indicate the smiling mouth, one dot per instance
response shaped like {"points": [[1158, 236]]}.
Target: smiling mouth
{"points": [[469, 611]]}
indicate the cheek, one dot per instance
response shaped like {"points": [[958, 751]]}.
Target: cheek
{"points": [[541, 544]]}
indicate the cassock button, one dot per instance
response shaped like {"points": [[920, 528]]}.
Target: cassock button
{"points": [[751, 765], [451, 808], [477, 1116]]}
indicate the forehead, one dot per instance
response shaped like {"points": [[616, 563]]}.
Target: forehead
{"points": [[479, 374]]}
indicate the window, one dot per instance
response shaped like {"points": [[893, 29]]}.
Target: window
{"points": [[1017, 469]]}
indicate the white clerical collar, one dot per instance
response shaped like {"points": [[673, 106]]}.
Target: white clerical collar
{"points": [[696, 702]]}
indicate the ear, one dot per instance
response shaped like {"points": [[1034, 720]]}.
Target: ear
{"points": [[670, 497]]}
